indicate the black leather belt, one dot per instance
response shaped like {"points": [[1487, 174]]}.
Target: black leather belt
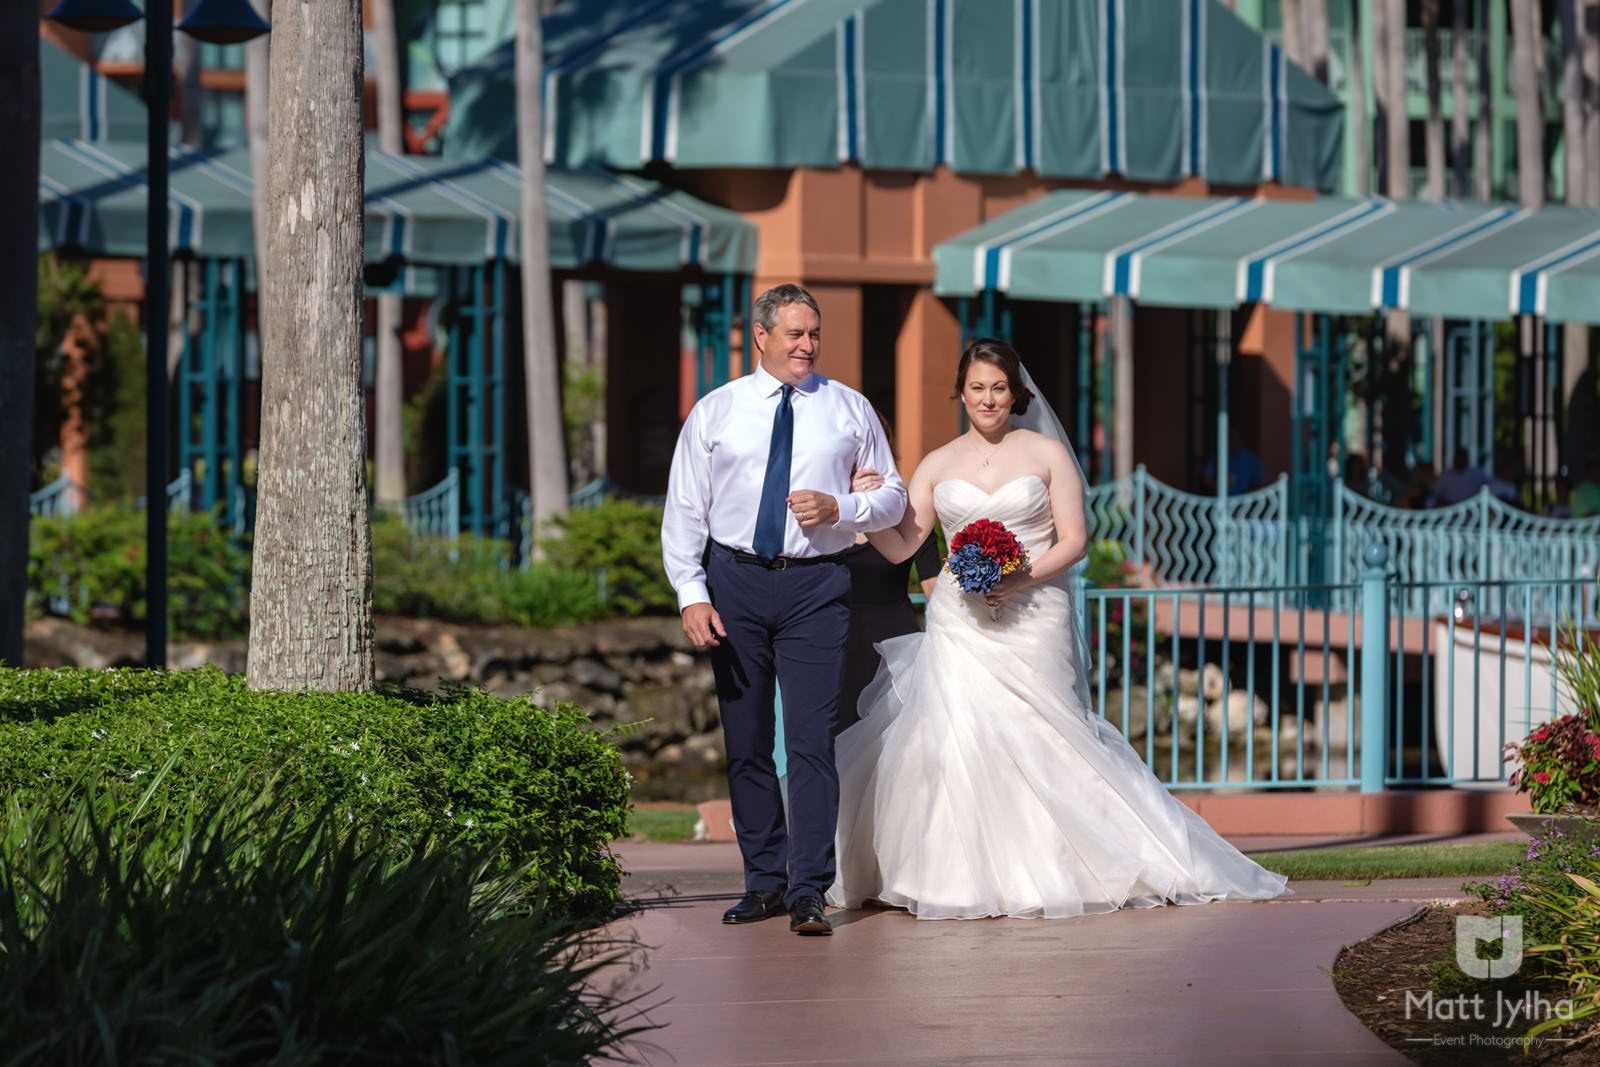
{"points": [[782, 563]]}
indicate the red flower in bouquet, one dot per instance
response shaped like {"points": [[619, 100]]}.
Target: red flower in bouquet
{"points": [[981, 554]]}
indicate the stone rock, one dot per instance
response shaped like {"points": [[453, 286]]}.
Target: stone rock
{"points": [[54, 642], [1211, 682], [595, 675], [670, 709], [457, 664], [634, 636], [1239, 710]]}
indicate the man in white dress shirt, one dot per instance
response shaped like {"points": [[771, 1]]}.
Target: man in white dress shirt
{"points": [[758, 509]]}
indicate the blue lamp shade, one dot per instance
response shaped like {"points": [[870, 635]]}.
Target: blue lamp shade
{"points": [[223, 22], [94, 16]]}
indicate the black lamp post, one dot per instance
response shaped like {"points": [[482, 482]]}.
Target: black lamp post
{"points": [[218, 22]]}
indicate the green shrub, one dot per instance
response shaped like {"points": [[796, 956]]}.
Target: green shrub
{"points": [[1540, 886], [463, 763], [95, 561], [133, 932], [470, 579], [622, 539]]}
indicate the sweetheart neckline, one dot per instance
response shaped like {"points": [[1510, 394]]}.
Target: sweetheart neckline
{"points": [[996, 489]]}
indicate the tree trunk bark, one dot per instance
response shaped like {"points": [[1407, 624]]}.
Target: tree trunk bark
{"points": [[389, 461], [1589, 62], [1434, 129], [1460, 118], [257, 79], [1398, 129], [1526, 41], [19, 310], [598, 351], [547, 461], [1360, 144], [311, 594], [188, 64], [1314, 17], [1293, 31], [1483, 136], [1572, 103]]}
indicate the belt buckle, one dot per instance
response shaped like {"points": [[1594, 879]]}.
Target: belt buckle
{"points": [[780, 563]]}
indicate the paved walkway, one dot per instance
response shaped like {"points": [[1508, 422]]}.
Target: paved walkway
{"points": [[1226, 983]]}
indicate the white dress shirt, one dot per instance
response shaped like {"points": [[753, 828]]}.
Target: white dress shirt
{"points": [[720, 462]]}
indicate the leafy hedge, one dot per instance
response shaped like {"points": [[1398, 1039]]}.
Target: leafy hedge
{"points": [[540, 784], [621, 540], [133, 931]]}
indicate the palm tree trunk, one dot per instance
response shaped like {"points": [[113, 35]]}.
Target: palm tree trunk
{"points": [[1361, 144], [389, 461], [1434, 142], [547, 461], [1589, 61], [311, 592], [1293, 31], [1460, 119], [1483, 136], [188, 63], [19, 310], [1397, 135], [1572, 103], [1526, 42], [1314, 19]]}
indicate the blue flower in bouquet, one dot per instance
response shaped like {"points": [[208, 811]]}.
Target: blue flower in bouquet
{"points": [[975, 571]]}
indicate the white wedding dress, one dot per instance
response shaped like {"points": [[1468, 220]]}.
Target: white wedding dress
{"points": [[978, 781]]}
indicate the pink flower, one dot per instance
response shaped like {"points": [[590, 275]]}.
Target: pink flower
{"points": [[1542, 777]]}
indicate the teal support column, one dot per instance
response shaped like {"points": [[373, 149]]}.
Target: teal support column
{"points": [[476, 408], [210, 369], [1374, 664], [1085, 442]]}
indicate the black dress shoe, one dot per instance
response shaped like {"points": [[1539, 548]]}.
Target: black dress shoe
{"points": [[806, 917], [754, 906]]}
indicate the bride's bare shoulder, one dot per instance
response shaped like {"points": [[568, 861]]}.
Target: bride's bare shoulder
{"points": [[1039, 444]]}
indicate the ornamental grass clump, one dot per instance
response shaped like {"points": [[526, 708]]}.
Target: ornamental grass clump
{"points": [[134, 930]]}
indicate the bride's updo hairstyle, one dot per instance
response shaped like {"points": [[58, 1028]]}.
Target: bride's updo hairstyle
{"points": [[999, 354]]}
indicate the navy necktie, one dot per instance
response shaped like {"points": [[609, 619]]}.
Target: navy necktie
{"points": [[775, 488]]}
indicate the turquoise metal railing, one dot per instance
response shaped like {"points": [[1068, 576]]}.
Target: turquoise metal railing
{"points": [[435, 512], [1481, 539], [1178, 539], [1266, 687], [61, 497]]}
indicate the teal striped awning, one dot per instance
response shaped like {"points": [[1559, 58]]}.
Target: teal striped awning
{"points": [[1456, 260], [78, 101], [420, 210], [1153, 90]]}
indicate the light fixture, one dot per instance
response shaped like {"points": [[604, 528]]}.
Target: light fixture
{"points": [[94, 16], [223, 22]]}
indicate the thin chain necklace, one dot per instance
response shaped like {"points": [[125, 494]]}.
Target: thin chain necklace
{"points": [[992, 451]]}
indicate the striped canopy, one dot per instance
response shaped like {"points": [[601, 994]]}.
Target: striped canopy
{"points": [[1455, 260], [420, 210], [78, 101], [1155, 90]]}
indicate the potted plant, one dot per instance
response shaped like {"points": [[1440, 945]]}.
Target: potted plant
{"points": [[1558, 764]]}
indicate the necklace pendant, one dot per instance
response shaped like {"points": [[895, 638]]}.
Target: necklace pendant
{"points": [[985, 463]]}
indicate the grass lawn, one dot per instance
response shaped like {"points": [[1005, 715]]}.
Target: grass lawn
{"points": [[1395, 861], [662, 823]]}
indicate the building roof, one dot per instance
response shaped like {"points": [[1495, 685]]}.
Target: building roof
{"points": [[1153, 90], [1343, 256], [78, 101], [420, 210]]}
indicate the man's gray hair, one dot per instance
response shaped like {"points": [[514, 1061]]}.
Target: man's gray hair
{"points": [[769, 303]]}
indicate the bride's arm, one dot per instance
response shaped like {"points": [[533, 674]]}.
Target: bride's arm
{"points": [[900, 542]]}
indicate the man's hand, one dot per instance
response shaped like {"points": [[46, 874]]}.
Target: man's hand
{"points": [[865, 480], [813, 509], [703, 625]]}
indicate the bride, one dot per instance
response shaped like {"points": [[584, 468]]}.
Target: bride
{"points": [[979, 781]]}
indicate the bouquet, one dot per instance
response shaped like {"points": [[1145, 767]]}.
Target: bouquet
{"points": [[983, 553]]}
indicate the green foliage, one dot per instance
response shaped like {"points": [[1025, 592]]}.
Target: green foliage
{"points": [[239, 932], [1574, 954], [97, 558], [1539, 881], [464, 764], [114, 414], [622, 539], [1109, 568], [583, 404], [70, 304], [470, 579], [424, 422]]}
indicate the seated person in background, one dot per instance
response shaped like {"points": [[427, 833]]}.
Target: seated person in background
{"points": [[1560, 506], [1244, 468], [1357, 473], [1507, 473], [1586, 495], [1459, 482]]}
